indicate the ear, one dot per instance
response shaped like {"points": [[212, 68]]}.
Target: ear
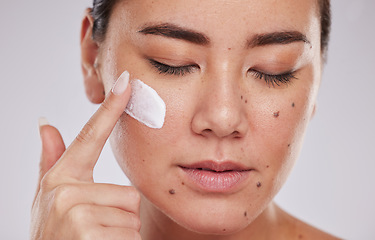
{"points": [[89, 54]]}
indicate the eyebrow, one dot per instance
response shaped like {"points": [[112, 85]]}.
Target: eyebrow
{"points": [[173, 31], [285, 37]]}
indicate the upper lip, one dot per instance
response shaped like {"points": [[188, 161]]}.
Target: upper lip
{"points": [[217, 166]]}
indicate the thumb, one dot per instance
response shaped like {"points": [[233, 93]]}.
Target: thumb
{"points": [[52, 148]]}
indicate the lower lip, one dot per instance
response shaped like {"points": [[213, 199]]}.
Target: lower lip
{"points": [[216, 181]]}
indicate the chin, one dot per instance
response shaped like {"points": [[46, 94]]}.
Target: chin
{"points": [[213, 227], [220, 216]]}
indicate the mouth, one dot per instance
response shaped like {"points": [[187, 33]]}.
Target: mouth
{"points": [[211, 176]]}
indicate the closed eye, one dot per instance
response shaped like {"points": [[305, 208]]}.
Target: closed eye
{"points": [[274, 79], [173, 70]]}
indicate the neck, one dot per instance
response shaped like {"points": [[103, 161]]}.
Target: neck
{"points": [[157, 226]]}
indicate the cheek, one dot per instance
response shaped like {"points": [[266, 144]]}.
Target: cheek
{"points": [[278, 125], [145, 153]]}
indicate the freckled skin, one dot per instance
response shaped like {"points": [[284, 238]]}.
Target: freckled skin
{"points": [[206, 116]]}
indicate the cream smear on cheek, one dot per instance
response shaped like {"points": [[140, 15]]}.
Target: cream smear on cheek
{"points": [[145, 105]]}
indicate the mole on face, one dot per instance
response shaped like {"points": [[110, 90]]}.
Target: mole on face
{"points": [[245, 214], [259, 184], [293, 105], [172, 191], [276, 114]]}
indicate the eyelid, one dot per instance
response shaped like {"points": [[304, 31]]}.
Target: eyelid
{"points": [[173, 70], [279, 79], [162, 62], [173, 61]]}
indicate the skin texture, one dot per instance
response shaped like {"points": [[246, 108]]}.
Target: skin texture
{"points": [[219, 111], [204, 108]]}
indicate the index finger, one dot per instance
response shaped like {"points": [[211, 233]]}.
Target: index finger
{"points": [[79, 159]]}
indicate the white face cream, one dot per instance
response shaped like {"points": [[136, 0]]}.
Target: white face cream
{"points": [[145, 105]]}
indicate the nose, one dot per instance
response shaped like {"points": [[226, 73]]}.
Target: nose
{"points": [[220, 111]]}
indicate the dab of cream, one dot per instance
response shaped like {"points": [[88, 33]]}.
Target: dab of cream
{"points": [[145, 105]]}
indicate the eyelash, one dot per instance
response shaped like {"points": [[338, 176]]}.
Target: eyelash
{"points": [[270, 79], [274, 79], [172, 70]]}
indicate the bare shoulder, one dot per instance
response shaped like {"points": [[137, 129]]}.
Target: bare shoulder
{"points": [[306, 231], [297, 229]]}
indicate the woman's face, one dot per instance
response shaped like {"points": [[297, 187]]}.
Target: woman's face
{"points": [[239, 80]]}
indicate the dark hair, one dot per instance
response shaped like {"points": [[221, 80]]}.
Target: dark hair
{"points": [[101, 12], [325, 23]]}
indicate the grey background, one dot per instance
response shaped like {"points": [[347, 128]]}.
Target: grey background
{"points": [[331, 187]]}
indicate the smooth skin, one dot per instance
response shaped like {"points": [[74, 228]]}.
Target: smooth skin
{"points": [[217, 111]]}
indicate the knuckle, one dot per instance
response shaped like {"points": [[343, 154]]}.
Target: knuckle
{"points": [[134, 194], [46, 182], [136, 223], [49, 181], [80, 213], [87, 133], [62, 197], [133, 198], [88, 234]]}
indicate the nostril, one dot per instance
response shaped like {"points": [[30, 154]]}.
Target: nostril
{"points": [[207, 131], [236, 134]]}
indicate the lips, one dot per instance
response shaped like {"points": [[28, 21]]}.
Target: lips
{"points": [[211, 176]]}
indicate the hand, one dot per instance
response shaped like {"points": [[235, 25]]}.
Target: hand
{"points": [[68, 204]]}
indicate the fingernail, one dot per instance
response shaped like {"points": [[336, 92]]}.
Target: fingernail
{"points": [[43, 121], [121, 84]]}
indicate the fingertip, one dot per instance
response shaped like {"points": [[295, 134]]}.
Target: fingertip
{"points": [[52, 145], [42, 121], [54, 138], [52, 148]]}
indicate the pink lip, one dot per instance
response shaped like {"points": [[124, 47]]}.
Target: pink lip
{"points": [[211, 176]]}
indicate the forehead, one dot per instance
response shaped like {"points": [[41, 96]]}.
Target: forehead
{"points": [[223, 18]]}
